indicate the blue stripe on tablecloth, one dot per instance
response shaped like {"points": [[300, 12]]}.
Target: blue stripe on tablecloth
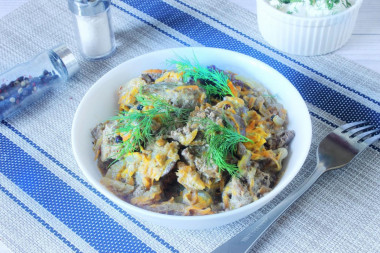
{"points": [[71, 208], [319, 95], [150, 24], [39, 219], [324, 120], [279, 53], [76, 177]]}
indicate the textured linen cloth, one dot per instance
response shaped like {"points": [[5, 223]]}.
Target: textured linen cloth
{"points": [[46, 204]]}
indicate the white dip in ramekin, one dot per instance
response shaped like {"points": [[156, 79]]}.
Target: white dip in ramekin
{"points": [[312, 8], [302, 28]]}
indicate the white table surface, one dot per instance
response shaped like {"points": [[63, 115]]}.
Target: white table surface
{"points": [[363, 47]]}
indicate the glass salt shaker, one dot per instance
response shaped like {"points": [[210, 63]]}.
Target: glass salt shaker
{"points": [[27, 82], [93, 27]]}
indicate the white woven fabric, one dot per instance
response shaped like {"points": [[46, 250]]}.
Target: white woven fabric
{"points": [[341, 212]]}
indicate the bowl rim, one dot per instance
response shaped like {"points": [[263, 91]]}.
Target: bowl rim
{"points": [[282, 14], [151, 214]]}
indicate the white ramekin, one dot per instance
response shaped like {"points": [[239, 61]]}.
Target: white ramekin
{"points": [[305, 36]]}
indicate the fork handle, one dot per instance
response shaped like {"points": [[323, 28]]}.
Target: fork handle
{"points": [[243, 241]]}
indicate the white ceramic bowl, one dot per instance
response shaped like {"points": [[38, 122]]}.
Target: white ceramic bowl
{"points": [[100, 103], [307, 36]]}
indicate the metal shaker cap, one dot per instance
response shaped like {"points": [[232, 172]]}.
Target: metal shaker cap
{"points": [[88, 7], [68, 59]]}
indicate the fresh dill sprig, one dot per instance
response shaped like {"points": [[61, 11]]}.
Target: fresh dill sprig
{"points": [[161, 107], [215, 81], [136, 126], [330, 3], [222, 141], [347, 4]]}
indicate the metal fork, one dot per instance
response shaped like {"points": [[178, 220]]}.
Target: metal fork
{"points": [[335, 151]]}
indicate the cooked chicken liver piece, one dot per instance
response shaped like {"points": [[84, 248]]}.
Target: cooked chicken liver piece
{"points": [[179, 97], [280, 140]]}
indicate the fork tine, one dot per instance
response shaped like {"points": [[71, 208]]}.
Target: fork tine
{"points": [[349, 125], [373, 139], [356, 130], [362, 135]]}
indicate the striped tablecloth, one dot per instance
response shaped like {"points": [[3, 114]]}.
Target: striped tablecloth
{"points": [[46, 204]]}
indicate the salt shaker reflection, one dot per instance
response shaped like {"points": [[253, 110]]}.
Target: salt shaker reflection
{"points": [[93, 27]]}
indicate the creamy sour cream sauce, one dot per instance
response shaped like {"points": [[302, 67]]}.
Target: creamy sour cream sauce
{"points": [[311, 8]]}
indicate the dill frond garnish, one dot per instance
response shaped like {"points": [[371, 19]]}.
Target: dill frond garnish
{"points": [[215, 82], [161, 107], [138, 126], [347, 4], [222, 141]]}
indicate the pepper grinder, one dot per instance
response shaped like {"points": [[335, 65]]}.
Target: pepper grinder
{"points": [[93, 28], [28, 82]]}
